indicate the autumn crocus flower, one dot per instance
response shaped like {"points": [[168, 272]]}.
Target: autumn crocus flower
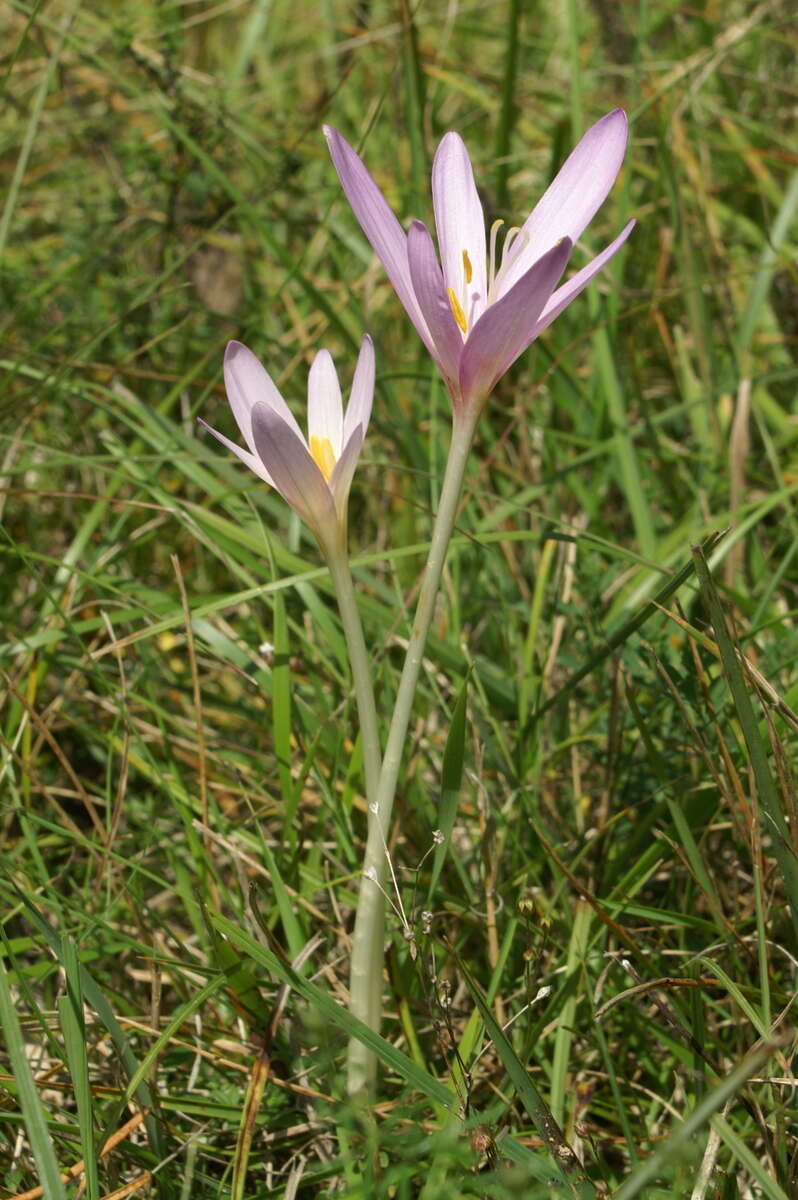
{"points": [[313, 474], [477, 310]]}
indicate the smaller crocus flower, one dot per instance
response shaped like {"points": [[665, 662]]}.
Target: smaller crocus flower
{"points": [[477, 311], [313, 474]]}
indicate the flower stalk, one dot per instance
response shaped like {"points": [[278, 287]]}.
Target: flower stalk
{"points": [[338, 563], [365, 980]]}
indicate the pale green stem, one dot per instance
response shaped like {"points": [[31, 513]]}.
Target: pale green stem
{"points": [[365, 979], [338, 563]]}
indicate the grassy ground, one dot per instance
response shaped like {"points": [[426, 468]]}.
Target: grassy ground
{"points": [[178, 754]]}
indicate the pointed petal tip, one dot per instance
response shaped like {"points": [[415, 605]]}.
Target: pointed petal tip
{"points": [[367, 357], [616, 116], [417, 233], [335, 140], [616, 120], [232, 349], [451, 138]]}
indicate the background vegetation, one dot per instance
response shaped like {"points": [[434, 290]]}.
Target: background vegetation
{"points": [[179, 757]]}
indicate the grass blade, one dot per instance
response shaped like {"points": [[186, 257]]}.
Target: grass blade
{"points": [[70, 1007], [675, 1145], [766, 787], [32, 1111]]}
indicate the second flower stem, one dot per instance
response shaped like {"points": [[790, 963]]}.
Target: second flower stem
{"points": [[338, 563], [365, 982]]}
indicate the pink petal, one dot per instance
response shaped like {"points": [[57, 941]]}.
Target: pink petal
{"points": [[358, 410], [247, 382], [325, 407], [344, 470], [378, 223], [578, 282], [294, 472], [573, 198], [507, 327], [252, 460], [434, 301], [460, 224]]}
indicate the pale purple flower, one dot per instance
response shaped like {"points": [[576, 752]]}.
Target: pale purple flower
{"points": [[313, 474], [476, 310]]}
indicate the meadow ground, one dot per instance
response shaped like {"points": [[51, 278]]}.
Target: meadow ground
{"points": [[181, 796]]}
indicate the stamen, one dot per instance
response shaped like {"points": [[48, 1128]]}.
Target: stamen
{"points": [[323, 455], [494, 229], [515, 242], [457, 311], [469, 270], [512, 234]]}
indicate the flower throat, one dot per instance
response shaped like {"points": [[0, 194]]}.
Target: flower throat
{"points": [[460, 306]]}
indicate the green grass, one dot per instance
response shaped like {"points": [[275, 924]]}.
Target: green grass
{"points": [[181, 796]]}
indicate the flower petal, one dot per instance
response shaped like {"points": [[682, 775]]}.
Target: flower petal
{"points": [[295, 474], [434, 301], [252, 460], [247, 382], [460, 223], [573, 198], [506, 328], [358, 410], [344, 470], [578, 282], [378, 223], [325, 406]]}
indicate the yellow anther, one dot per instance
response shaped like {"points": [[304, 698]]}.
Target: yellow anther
{"points": [[323, 455], [457, 311], [469, 270]]}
